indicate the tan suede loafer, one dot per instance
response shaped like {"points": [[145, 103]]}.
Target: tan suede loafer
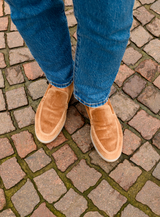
{"points": [[51, 113], [106, 132]]}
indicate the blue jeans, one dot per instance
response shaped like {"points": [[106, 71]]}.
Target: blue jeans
{"points": [[102, 34]]}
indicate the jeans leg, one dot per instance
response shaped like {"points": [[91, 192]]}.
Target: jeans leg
{"points": [[43, 25], [103, 32]]}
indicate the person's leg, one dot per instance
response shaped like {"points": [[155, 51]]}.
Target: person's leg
{"points": [[43, 25], [103, 32]]}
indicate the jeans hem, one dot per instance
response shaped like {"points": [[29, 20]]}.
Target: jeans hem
{"points": [[93, 105], [60, 85]]}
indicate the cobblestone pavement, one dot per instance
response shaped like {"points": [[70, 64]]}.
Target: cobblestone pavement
{"points": [[67, 177]]}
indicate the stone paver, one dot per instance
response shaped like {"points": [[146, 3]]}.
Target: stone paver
{"points": [[16, 98], [24, 117], [6, 124], [146, 157], [38, 160], [123, 73], [156, 172], [134, 86], [82, 139], [42, 211], [125, 174], [24, 143], [151, 98], [131, 56], [11, 173], [132, 211], [83, 176], [147, 69], [14, 75], [74, 120], [37, 89], [64, 157], [145, 124], [72, 204], [124, 107], [25, 199], [2, 199], [107, 199], [150, 195], [66, 174], [130, 142], [5, 148], [32, 70], [50, 186], [153, 49], [7, 213]]}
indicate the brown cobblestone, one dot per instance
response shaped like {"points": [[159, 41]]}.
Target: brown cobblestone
{"points": [[16, 98], [156, 172], [13, 27], [130, 142], [14, 75], [38, 88], [3, 23], [38, 160], [83, 176], [14, 39], [156, 140], [145, 124], [153, 49], [6, 124], [140, 36], [2, 40], [71, 18], [83, 139], [92, 214], [25, 199], [113, 90], [146, 157], [124, 107], [11, 173], [24, 117], [1, 8], [50, 186], [125, 174], [123, 74], [74, 120], [143, 15], [97, 160], [147, 69], [136, 4], [150, 197], [153, 27], [42, 211], [107, 199], [7, 213], [72, 204], [2, 61], [24, 143], [157, 82], [64, 157], [134, 24], [82, 110], [132, 211], [151, 98], [59, 140], [5, 148], [19, 55], [131, 56], [2, 102], [68, 3], [146, 1], [156, 7], [134, 86], [2, 199], [1, 80], [6, 8], [33, 70]]}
